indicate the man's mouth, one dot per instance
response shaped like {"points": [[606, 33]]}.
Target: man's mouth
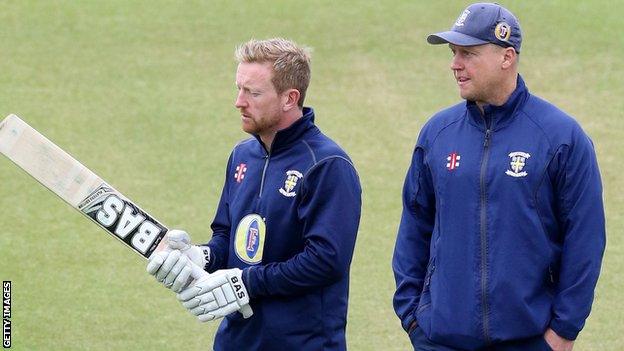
{"points": [[462, 81]]}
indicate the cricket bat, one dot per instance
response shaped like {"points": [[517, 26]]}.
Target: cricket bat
{"points": [[82, 189], [85, 191]]}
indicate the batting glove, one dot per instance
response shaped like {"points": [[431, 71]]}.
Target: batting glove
{"points": [[216, 295], [173, 266]]}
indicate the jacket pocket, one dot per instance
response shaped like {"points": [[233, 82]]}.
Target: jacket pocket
{"points": [[431, 266], [430, 269], [552, 279], [425, 296]]}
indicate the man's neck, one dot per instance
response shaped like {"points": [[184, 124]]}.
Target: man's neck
{"points": [[501, 95], [286, 121]]}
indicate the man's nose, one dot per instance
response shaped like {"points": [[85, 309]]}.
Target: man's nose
{"points": [[456, 63], [240, 100]]}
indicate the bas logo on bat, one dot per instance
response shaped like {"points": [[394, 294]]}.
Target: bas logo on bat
{"points": [[123, 219]]}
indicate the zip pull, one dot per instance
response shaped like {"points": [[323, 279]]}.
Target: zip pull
{"points": [[486, 143]]}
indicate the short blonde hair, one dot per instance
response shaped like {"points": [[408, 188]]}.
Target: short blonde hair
{"points": [[291, 63]]}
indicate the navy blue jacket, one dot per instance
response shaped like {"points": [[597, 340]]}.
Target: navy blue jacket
{"points": [[503, 229], [288, 217]]}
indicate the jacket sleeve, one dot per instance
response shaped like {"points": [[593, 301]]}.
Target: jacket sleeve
{"points": [[581, 217], [411, 252], [220, 241], [330, 211]]}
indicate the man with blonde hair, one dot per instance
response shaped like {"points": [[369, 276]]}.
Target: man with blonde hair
{"points": [[285, 229]]}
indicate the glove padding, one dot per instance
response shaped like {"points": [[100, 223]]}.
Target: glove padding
{"points": [[173, 266], [216, 295]]}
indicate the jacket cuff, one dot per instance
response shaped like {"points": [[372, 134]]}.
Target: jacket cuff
{"points": [[564, 329], [247, 282], [211, 265], [205, 249]]}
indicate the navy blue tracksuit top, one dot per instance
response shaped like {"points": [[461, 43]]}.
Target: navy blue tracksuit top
{"points": [[503, 227], [288, 217]]}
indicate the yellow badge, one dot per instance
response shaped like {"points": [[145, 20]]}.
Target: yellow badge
{"points": [[502, 31], [249, 240]]}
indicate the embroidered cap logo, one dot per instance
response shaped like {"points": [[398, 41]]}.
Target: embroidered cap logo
{"points": [[462, 18], [502, 31]]}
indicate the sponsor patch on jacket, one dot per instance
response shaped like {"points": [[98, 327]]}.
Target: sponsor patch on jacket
{"points": [[249, 240], [292, 177], [517, 163], [239, 175], [452, 161]]}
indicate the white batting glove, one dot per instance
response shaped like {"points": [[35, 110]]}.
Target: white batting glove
{"points": [[216, 295], [173, 266]]}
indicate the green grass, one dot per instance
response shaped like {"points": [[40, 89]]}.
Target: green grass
{"points": [[142, 92]]}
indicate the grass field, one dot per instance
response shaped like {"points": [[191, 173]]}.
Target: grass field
{"points": [[142, 92]]}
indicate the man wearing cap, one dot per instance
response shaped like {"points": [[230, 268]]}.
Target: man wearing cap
{"points": [[503, 230]]}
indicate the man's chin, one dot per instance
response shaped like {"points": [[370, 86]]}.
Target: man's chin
{"points": [[466, 95], [248, 129]]}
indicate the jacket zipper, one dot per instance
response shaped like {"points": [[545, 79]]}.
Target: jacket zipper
{"points": [[266, 164], [484, 246]]}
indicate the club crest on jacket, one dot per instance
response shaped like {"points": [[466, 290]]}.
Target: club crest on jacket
{"points": [[518, 161], [292, 177]]}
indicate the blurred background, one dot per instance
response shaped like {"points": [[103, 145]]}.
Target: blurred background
{"points": [[142, 92]]}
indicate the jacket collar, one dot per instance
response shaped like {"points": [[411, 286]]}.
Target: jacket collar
{"points": [[293, 133], [498, 116]]}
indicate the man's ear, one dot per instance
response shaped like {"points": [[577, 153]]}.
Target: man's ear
{"points": [[290, 99], [509, 58]]}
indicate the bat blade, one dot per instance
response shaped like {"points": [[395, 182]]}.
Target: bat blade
{"points": [[80, 187]]}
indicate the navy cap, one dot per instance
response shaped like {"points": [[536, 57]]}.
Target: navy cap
{"points": [[482, 23]]}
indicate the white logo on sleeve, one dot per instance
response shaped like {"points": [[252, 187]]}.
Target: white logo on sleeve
{"points": [[518, 161]]}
